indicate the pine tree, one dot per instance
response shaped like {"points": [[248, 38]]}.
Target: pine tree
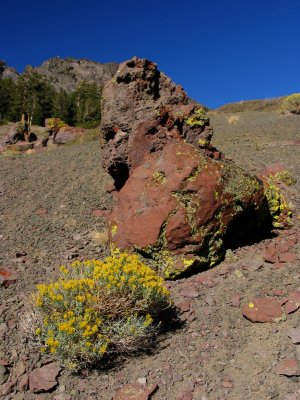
{"points": [[34, 96], [64, 106], [7, 93], [87, 103]]}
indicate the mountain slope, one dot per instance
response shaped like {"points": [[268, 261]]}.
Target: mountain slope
{"points": [[67, 73]]}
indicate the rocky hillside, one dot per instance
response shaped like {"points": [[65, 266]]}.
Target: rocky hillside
{"points": [[274, 104], [8, 72], [67, 73]]}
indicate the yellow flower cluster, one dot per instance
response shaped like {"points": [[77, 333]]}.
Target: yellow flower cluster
{"points": [[97, 303]]}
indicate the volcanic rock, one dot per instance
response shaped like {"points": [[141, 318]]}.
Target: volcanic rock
{"points": [[263, 310], [135, 392], [44, 379], [142, 109], [288, 368], [177, 197]]}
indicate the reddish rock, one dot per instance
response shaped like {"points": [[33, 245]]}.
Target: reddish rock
{"points": [[7, 277], [205, 280], [288, 368], [176, 196], [184, 306], [290, 307], [23, 383], [235, 300], [44, 379], [284, 245], [272, 169], [134, 391], [295, 297], [270, 254], [293, 302], [288, 257], [263, 310], [190, 291]]}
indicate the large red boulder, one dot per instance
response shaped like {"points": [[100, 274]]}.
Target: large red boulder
{"points": [[177, 197], [178, 205], [141, 110]]}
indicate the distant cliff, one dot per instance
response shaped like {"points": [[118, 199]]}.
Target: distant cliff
{"points": [[67, 73]]}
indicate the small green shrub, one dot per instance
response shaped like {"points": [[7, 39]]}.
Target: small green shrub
{"points": [[292, 103], [286, 177], [198, 119], [97, 308]]}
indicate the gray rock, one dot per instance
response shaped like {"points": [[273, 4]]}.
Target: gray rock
{"points": [[3, 374]]}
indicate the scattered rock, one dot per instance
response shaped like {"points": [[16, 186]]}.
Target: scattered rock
{"points": [[142, 381], [293, 302], [294, 334], [134, 391], [288, 368], [263, 310], [184, 306], [190, 291], [3, 374], [270, 254], [3, 329], [23, 383], [288, 257], [44, 379], [7, 277], [187, 396], [235, 300], [227, 383], [290, 307], [284, 245], [210, 300], [253, 264]]}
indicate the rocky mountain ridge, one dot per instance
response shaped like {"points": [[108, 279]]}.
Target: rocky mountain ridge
{"points": [[68, 73]]}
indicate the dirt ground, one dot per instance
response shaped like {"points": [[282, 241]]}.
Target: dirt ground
{"points": [[47, 200]]}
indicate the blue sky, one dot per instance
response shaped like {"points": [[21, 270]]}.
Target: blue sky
{"points": [[219, 51]]}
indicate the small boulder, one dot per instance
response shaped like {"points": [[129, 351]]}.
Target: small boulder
{"points": [[3, 374], [44, 379], [134, 391], [263, 310], [288, 368]]}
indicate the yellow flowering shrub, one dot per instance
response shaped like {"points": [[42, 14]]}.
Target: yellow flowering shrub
{"points": [[99, 307]]}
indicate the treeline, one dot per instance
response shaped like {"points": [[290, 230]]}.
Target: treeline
{"points": [[34, 95]]}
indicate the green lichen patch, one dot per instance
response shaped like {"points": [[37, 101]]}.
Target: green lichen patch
{"points": [[158, 178], [239, 184], [278, 207]]}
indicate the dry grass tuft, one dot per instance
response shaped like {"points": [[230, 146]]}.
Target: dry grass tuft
{"points": [[233, 119]]}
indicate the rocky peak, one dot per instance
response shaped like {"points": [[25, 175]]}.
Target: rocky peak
{"points": [[67, 73], [8, 72]]}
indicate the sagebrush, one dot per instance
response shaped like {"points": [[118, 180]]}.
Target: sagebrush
{"points": [[97, 308]]}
